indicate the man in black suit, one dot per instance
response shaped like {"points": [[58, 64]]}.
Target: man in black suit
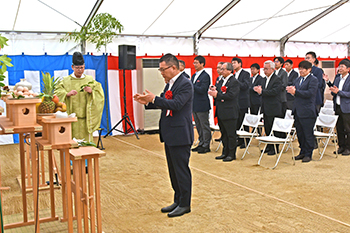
{"points": [[175, 129], [243, 77], [201, 105], [271, 105], [182, 66], [318, 73], [255, 98], [304, 111], [218, 70], [225, 94], [280, 72], [292, 76]]}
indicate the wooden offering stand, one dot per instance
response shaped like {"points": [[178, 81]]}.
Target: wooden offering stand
{"points": [[21, 119], [57, 135], [87, 191]]}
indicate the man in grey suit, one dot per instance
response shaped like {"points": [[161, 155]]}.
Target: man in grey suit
{"points": [[340, 90], [280, 72]]}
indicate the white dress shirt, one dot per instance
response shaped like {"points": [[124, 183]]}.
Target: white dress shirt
{"points": [[341, 84], [197, 75]]}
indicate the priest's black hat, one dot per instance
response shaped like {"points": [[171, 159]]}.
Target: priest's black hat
{"points": [[78, 59]]}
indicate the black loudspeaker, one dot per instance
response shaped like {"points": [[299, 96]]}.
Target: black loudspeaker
{"points": [[127, 57]]}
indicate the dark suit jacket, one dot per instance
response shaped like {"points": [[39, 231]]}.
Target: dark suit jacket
{"points": [[271, 96], [291, 79], [244, 81], [305, 97], [186, 75], [176, 130], [254, 97], [200, 98], [284, 79], [227, 106], [318, 73], [344, 94]]}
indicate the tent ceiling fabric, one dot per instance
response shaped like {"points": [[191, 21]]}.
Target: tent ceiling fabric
{"points": [[249, 19]]}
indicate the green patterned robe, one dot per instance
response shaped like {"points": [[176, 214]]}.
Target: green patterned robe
{"points": [[88, 107]]}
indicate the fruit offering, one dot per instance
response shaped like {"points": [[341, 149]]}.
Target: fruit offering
{"points": [[24, 92], [48, 86]]}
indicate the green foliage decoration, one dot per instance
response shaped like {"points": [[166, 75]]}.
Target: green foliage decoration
{"points": [[4, 61]]}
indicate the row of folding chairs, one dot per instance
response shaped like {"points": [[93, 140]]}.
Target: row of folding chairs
{"points": [[325, 122]]}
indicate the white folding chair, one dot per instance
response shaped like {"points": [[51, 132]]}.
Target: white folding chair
{"points": [[213, 129], [328, 104], [279, 125], [289, 115], [326, 121], [327, 111], [250, 121]]}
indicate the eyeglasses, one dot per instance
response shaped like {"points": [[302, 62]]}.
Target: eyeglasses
{"points": [[79, 67], [164, 69], [223, 69]]}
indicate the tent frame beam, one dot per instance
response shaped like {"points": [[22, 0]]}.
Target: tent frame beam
{"points": [[199, 33], [88, 21], [284, 39]]}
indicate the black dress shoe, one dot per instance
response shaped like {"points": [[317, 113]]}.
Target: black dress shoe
{"points": [[196, 148], [340, 150], [266, 150], [203, 150], [179, 211], [169, 208], [220, 157], [346, 152], [229, 159], [306, 159], [217, 139], [299, 157]]}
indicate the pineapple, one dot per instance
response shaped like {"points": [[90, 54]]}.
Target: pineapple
{"points": [[48, 85]]}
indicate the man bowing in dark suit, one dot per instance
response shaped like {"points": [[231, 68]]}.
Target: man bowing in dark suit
{"points": [[175, 129], [271, 106], [304, 111], [225, 94]]}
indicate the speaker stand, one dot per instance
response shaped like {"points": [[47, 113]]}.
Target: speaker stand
{"points": [[125, 119]]}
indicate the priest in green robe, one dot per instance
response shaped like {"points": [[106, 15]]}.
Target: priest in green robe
{"points": [[83, 96]]}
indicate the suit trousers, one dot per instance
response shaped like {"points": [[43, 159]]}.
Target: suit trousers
{"points": [[290, 104], [268, 122], [343, 128], [305, 133], [180, 174], [228, 136], [254, 108], [241, 115], [202, 125]]}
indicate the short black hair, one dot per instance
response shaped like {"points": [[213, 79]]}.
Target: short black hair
{"points": [[345, 62], [313, 54], [200, 59], [305, 65], [182, 62], [170, 59], [316, 62], [237, 59], [221, 62], [280, 59], [289, 61], [256, 65]]}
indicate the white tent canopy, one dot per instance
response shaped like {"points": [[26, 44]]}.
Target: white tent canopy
{"points": [[250, 27]]}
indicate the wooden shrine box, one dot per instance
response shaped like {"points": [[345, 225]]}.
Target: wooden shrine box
{"points": [[22, 111], [57, 130], [4, 97], [39, 119]]}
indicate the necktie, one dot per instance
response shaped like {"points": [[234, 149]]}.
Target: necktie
{"points": [[301, 81]]}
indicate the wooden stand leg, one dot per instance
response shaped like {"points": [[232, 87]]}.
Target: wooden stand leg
{"points": [[69, 190], [91, 194], [98, 196], [35, 181], [23, 176], [43, 180], [77, 179], [85, 199], [63, 183], [52, 191]]}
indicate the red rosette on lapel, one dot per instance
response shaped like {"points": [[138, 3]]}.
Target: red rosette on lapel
{"points": [[224, 89], [169, 96]]}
